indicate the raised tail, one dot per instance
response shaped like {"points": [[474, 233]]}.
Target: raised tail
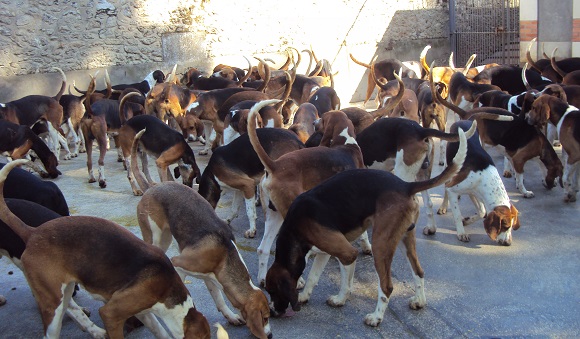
{"points": [[435, 133], [139, 176], [423, 59], [359, 62], [122, 116], [18, 226], [450, 171], [63, 86], [262, 155]]}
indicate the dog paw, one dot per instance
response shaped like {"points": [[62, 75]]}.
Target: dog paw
{"points": [[335, 301], [429, 230], [203, 152], [367, 251], [442, 211], [236, 320], [137, 193], [570, 197], [556, 144], [372, 320], [102, 183], [416, 303], [441, 163], [82, 150], [507, 174], [2, 301], [249, 233], [303, 297], [68, 156], [529, 195], [463, 237], [92, 180], [300, 284]]}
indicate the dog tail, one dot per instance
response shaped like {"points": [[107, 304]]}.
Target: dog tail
{"points": [[422, 59], [430, 133], [264, 157], [122, 115], [359, 62], [450, 171], [221, 332], [63, 86], [18, 226], [490, 113], [139, 176], [394, 101], [438, 98]]}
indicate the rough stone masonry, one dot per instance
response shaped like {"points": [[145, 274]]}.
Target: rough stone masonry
{"points": [[130, 38]]}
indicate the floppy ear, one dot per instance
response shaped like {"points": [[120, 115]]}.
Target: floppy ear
{"points": [[291, 293], [491, 224], [515, 217]]}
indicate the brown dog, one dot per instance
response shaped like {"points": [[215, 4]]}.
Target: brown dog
{"points": [[207, 250], [129, 275], [299, 171]]}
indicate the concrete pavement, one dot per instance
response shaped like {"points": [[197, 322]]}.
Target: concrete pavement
{"points": [[475, 289]]}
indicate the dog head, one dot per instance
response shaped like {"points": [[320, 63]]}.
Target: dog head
{"points": [[191, 126], [196, 325], [158, 76], [539, 114], [282, 289], [256, 312], [500, 222]]}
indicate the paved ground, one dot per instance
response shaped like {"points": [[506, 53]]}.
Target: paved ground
{"points": [[475, 289]]}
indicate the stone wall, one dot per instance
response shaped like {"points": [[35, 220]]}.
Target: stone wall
{"points": [[130, 38]]}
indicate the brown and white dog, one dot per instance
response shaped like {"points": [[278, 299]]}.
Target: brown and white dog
{"points": [[17, 140], [237, 167], [130, 276], [303, 121], [332, 215], [298, 171], [33, 109], [207, 250], [479, 179], [160, 141], [566, 118], [518, 142]]}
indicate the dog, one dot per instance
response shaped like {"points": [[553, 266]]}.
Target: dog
{"points": [[236, 166], [384, 69], [160, 141], [122, 276], [325, 99], [333, 214], [191, 127], [303, 121], [407, 106], [479, 179], [567, 120], [17, 140], [298, 171], [12, 247], [207, 250], [33, 109], [519, 143], [113, 91]]}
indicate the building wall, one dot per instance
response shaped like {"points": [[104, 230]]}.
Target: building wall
{"points": [[130, 38], [555, 23]]}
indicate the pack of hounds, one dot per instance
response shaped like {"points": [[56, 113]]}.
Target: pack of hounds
{"points": [[323, 175]]}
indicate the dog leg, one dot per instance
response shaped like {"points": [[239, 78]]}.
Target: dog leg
{"points": [[52, 329], [102, 141], [320, 261], [210, 136], [428, 204], [150, 321], [82, 147], [64, 144], [236, 202], [346, 281], [136, 190], [519, 170], [145, 167], [76, 313], [568, 178], [418, 300], [365, 243], [251, 213], [508, 169], [53, 135], [218, 297], [2, 300], [479, 206], [89, 144], [72, 136], [457, 218], [272, 227]]}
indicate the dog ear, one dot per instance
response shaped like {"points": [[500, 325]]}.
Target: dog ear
{"points": [[492, 224], [515, 217]]}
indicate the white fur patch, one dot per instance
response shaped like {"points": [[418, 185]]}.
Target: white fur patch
{"points": [[173, 317], [349, 139], [513, 102], [192, 106], [2, 105], [480, 68], [315, 88], [246, 266], [487, 186], [570, 109]]}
